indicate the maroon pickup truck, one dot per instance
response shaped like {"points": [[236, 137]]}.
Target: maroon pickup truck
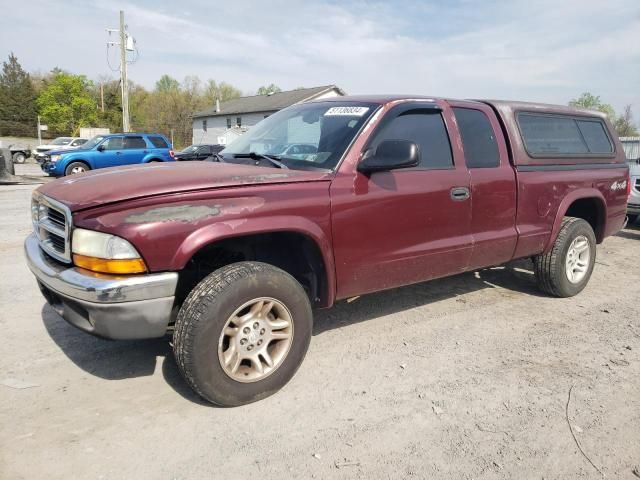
{"points": [[234, 255]]}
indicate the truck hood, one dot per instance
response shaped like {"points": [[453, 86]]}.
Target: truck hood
{"points": [[111, 185]]}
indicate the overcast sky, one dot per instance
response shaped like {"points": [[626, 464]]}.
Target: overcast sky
{"points": [[539, 50]]}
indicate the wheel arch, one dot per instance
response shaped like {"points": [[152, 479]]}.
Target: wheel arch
{"points": [[68, 162], [588, 204], [301, 250]]}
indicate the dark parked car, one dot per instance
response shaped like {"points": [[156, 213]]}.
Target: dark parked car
{"points": [[198, 152], [233, 258]]}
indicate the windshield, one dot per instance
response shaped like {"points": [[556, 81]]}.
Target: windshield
{"points": [[304, 136], [61, 141], [191, 149], [93, 142]]}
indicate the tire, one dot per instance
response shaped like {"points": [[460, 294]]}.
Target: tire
{"points": [[632, 219], [552, 270], [19, 157], [76, 167], [201, 328]]}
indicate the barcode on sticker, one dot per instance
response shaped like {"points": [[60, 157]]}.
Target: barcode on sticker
{"points": [[347, 111]]}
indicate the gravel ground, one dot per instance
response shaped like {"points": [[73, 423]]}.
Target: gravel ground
{"points": [[467, 377]]}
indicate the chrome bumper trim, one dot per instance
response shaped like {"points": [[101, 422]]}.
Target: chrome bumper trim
{"points": [[93, 287]]}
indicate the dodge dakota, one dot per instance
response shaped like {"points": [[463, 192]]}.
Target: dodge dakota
{"points": [[231, 257]]}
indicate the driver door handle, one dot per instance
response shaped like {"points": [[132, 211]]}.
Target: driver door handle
{"points": [[460, 193]]}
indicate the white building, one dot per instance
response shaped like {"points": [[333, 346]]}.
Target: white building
{"points": [[225, 122]]}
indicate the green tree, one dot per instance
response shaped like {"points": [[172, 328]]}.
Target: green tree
{"points": [[167, 84], [266, 90], [66, 103], [624, 124], [593, 102], [222, 91], [18, 111], [110, 97]]}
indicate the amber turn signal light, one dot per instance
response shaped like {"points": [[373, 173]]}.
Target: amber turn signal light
{"points": [[103, 265]]}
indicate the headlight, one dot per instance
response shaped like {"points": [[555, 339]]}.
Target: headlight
{"points": [[55, 158], [104, 253]]}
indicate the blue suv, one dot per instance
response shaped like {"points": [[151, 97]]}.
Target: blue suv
{"points": [[109, 151]]}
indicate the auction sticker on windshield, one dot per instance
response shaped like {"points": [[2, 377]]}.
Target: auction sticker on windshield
{"points": [[346, 111]]}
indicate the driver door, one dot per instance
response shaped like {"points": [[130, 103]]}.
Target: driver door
{"points": [[111, 154], [397, 227]]}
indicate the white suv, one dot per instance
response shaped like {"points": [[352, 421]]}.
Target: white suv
{"points": [[60, 143]]}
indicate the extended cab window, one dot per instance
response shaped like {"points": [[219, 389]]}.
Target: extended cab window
{"points": [[478, 138], [134, 142], [158, 142], [425, 128], [563, 135]]}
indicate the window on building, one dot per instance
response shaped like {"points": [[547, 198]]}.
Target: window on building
{"points": [[559, 135], [478, 138], [204, 125], [238, 121], [228, 122], [424, 127]]}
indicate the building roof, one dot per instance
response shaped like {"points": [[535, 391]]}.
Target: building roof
{"points": [[631, 147], [266, 103]]}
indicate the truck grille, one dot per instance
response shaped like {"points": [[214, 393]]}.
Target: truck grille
{"points": [[52, 225]]}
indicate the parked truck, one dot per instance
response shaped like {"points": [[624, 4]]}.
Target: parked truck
{"points": [[233, 256]]}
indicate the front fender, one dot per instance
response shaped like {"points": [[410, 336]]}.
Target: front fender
{"points": [[566, 203], [226, 229]]}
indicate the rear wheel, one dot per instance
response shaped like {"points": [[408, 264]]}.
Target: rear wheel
{"points": [[566, 269], [242, 333], [76, 167], [19, 157]]}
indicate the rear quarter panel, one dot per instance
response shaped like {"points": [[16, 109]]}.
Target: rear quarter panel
{"points": [[548, 186]]}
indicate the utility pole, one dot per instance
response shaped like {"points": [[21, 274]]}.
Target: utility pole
{"points": [[126, 44], [39, 132], [102, 96], [123, 74]]}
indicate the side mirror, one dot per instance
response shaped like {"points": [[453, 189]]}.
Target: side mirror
{"points": [[390, 155], [100, 148]]}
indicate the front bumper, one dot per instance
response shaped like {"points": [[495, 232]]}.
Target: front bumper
{"points": [[109, 306]]}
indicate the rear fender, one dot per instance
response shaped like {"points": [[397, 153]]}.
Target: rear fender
{"points": [[591, 193]]}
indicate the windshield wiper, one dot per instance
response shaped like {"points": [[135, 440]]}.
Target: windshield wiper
{"points": [[260, 156]]}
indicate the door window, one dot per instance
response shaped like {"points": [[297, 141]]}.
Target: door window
{"points": [[113, 143], [425, 128], [478, 138], [131, 143]]}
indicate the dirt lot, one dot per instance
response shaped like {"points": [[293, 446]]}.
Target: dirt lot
{"points": [[461, 378]]}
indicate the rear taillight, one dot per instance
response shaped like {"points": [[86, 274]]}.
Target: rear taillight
{"points": [[172, 154], [628, 185]]}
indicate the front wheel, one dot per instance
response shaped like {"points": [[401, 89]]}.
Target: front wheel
{"points": [[76, 167], [566, 269], [242, 333], [632, 219]]}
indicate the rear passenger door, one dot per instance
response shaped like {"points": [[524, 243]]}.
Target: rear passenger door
{"points": [[135, 149], [398, 227], [493, 184]]}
